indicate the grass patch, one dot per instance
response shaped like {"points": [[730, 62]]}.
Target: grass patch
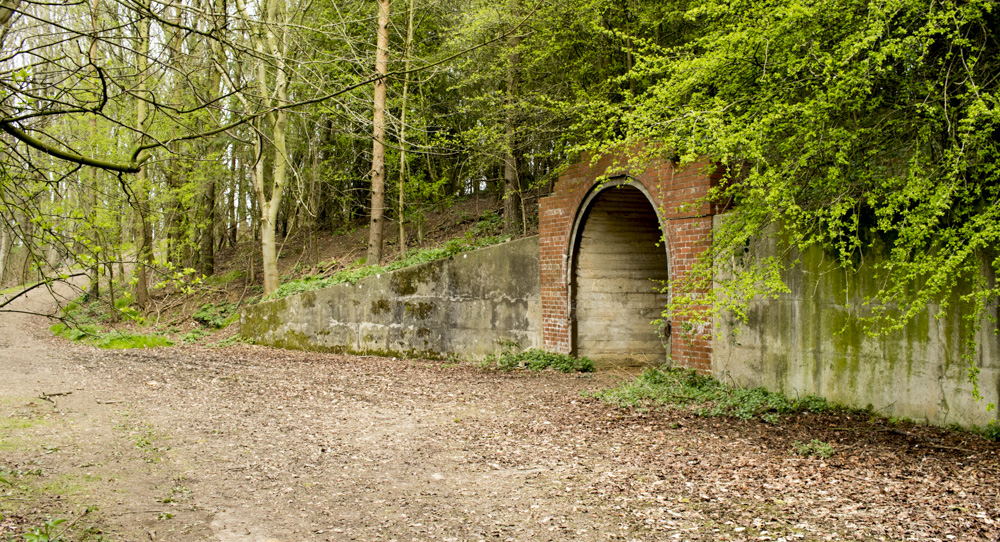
{"points": [[537, 360], [91, 334], [19, 288], [11, 428], [357, 270], [706, 396], [124, 341]]}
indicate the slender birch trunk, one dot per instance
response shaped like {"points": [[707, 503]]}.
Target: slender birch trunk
{"points": [[277, 49]]}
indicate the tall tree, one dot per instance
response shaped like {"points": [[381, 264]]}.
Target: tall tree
{"points": [[378, 137], [511, 178], [140, 198], [401, 189]]}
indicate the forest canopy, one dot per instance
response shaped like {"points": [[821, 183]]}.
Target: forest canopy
{"points": [[857, 125], [844, 121]]}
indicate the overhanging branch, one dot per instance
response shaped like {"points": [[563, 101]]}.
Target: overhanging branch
{"points": [[132, 167]]}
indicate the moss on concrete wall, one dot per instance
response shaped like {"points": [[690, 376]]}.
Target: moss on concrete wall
{"points": [[808, 342], [469, 304]]}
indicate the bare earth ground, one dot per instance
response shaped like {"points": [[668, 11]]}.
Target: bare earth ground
{"points": [[253, 444]]}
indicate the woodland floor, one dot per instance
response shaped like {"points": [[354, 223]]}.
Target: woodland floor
{"points": [[247, 443]]}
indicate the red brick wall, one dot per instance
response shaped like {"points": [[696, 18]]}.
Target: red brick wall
{"points": [[675, 195]]}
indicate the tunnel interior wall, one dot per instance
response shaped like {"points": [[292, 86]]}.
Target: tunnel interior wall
{"points": [[619, 272]]}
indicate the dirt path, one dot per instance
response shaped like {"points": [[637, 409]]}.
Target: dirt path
{"points": [[255, 444]]}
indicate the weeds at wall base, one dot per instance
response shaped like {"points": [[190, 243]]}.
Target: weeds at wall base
{"points": [[706, 396], [536, 360], [668, 387]]}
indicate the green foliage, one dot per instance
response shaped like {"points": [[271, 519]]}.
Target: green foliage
{"points": [[125, 341], [863, 127], [45, 533], [125, 308], [216, 315], [77, 332], [113, 340], [707, 396], [537, 360], [990, 431], [194, 336], [229, 341], [813, 448], [226, 278], [358, 271]]}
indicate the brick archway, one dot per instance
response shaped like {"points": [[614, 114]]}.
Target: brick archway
{"points": [[685, 221]]}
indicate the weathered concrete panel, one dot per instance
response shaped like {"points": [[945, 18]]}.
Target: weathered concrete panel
{"points": [[805, 342], [469, 304]]}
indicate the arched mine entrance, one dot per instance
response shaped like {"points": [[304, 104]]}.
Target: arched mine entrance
{"points": [[619, 264]]}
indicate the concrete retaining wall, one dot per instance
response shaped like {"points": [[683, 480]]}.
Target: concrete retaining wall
{"points": [[804, 343], [470, 304]]}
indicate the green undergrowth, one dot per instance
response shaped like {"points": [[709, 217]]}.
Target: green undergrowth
{"points": [[537, 360], [92, 323], [679, 388], [216, 315], [358, 270], [813, 448], [988, 432], [114, 340]]}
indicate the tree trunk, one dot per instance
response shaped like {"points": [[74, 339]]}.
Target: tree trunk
{"points": [[511, 183], [270, 217], [312, 201], [277, 52], [6, 241], [94, 291], [208, 229], [231, 204], [378, 137], [407, 50], [240, 186], [145, 233]]}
